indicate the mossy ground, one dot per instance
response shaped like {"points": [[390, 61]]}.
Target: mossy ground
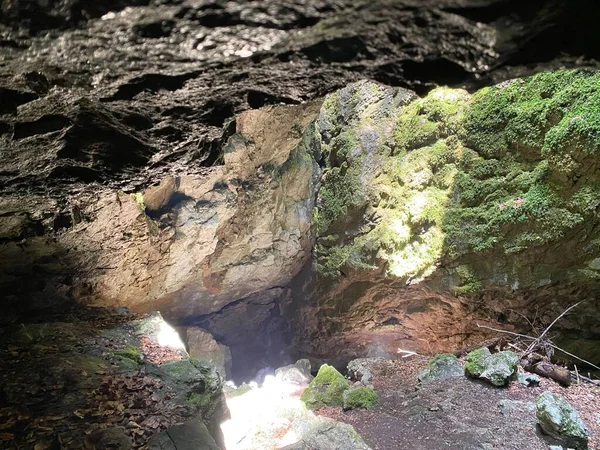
{"points": [[361, 397], [505, 170]]}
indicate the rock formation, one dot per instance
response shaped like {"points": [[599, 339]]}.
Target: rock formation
{"points": [[184, 156]]}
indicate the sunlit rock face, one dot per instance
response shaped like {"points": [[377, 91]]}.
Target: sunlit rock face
{"points": [[440, 212], [201, 241]]}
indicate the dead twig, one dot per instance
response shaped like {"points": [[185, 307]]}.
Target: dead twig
{"points": [[506, 332], [536, 342], [573, 356]]}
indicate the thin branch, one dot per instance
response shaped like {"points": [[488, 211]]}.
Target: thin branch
{"points": [[506, 332], [574, 356], [541, 336]]}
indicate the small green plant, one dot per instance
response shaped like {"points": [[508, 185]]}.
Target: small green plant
{"points": [[130, 352], [199, 401]]}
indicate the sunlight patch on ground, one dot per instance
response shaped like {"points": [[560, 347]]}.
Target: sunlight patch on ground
{"points": [[168, 337], [263, 416]]}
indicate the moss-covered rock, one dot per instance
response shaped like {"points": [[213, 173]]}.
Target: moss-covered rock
{"points": [[444, 365], [326, 389], [360, 397], [560, 420], [449, 177], [498, 368]]}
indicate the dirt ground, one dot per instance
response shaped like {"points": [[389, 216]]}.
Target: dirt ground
{"points": [[459, 413]]}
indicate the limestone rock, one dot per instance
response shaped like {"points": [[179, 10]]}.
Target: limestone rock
{"points": [[560, 420], [201, 345], [298, 373], [497, 368], [326, 389], [441, 366]]}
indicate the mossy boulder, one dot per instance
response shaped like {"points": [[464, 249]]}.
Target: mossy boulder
{"points": [[326, 389], [360, 397], [498, 368], [444, 365], [560, 420], [452, 199]]}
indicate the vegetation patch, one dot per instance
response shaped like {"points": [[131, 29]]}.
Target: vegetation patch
{"points": [[361, 397]]}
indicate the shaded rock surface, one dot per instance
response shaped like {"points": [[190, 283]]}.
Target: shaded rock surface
{"points": [[105, 378], [192, 435], [202, 346], [560, 420]]}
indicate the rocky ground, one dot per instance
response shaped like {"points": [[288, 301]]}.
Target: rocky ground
{"points": [[459, 413], [96, 379]]}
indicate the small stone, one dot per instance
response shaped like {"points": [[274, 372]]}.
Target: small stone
{"points": [[561, 420], [507, 407], [445, 365], [528, 379]]}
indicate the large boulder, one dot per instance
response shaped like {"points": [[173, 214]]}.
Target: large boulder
{"points": [[498, 368], [192, 435], [325, 434], [436, 211], [560, 419]]}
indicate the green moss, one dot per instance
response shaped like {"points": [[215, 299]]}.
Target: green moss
{"points": [[362, 397], [138, 197], [199, 401], [468, 281], [476, 360], [501, 172], [130, 352], [340, 192], [326, 389]]}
